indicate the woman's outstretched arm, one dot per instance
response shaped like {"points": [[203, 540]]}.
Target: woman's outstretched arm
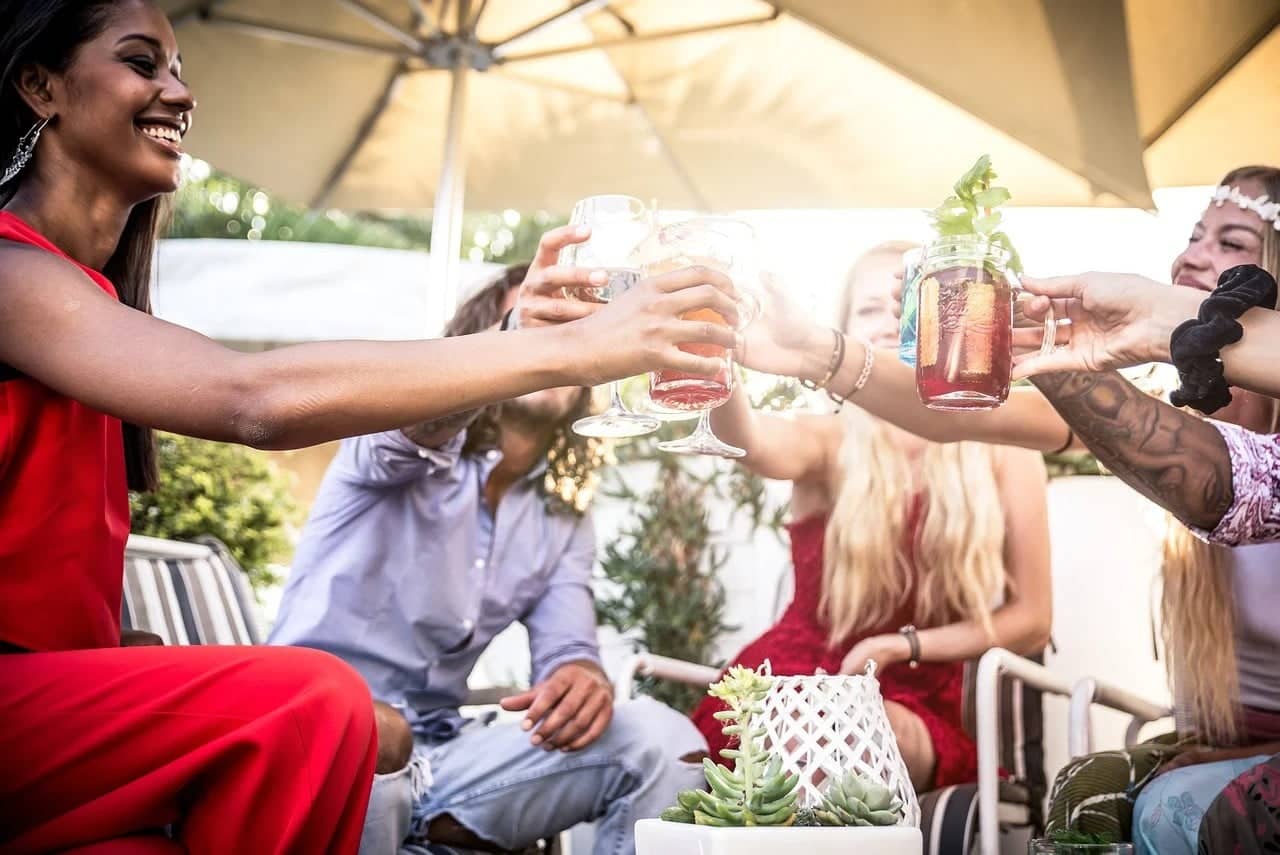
{"points": [[59, 328]]}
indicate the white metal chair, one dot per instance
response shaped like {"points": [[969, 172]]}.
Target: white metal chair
{"points": [[1090, 692]]}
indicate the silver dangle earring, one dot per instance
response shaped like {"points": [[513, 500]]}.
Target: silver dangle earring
{"points": [[26, 148]]}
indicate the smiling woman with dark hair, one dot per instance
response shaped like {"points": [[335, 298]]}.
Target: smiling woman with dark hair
{"points": [[234, 749]]}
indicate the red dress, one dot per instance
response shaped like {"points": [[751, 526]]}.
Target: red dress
{"points": [[239, 749], [797, 644]]}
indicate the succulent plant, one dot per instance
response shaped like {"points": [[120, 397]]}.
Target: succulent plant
{"points": [[756, 791], [855, 800], [806, 818]]}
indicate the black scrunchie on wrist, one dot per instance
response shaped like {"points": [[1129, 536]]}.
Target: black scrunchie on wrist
{"points": [[1195, 345]]}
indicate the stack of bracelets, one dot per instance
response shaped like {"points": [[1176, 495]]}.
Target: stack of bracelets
{"points": [[833, 368]]}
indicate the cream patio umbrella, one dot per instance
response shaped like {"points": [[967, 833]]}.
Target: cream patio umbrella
{"points": [[706, 104]]}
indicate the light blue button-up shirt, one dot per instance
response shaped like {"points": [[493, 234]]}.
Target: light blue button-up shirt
{"points": [[403, 572]]}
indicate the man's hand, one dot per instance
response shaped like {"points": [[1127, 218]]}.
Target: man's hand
{"points": [[1116, 321], [139, 638], [884, 649], [542, 299], [570, 709]]}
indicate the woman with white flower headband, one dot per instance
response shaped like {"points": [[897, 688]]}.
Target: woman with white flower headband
{"points": [[1221, 612], [1225, 480], [1220, 477]]}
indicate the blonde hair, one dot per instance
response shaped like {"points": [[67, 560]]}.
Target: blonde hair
{"points": [[1269, 178], [1197, 625], [1197, 601], [957, 548]]}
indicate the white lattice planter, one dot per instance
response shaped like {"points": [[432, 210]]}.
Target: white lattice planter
{"points": [[823, 727]]}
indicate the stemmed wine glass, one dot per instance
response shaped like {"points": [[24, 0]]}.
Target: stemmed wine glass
{"points": [[729, 247], [619, 224]]}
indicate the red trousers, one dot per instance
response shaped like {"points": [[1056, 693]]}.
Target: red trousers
{"points": [[253, 750]]}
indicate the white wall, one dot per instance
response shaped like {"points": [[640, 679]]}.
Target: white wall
{"points": [[1106, 553]]}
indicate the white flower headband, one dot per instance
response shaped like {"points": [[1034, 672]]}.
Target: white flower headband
{"points": [[1261, 205]]}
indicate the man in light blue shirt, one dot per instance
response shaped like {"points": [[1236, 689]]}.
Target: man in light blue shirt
{"points": [[422, 545]]}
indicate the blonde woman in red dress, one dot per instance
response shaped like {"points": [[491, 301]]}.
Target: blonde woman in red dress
{"points": [[917, 555]]}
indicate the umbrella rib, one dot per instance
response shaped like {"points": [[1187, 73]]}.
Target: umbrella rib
{"points": [[577, 10], [362, 136], [475, 19], [1235, 58], [667, 152], [657, 35], [383, 23], [622, 20], [672, 160], [308, 38], [423, 18], [421, 13]]}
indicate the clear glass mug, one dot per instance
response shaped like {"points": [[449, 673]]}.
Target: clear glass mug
{"points": [[969, 303], [910, 305], [619, 225], [1049, 847]]}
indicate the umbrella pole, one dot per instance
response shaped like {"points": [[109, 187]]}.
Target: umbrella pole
{"points": [[446, 218]]}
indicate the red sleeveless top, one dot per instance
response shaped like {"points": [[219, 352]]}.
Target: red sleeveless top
{"points": [[64, 506], [798, 644]]}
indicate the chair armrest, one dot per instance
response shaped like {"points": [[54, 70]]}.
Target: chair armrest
{"points": [[991, 666], [1090, 691], [140, 546], [664, 668]]}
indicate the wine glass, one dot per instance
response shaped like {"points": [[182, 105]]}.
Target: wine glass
{"points": [[729, 247], [619, 224]]}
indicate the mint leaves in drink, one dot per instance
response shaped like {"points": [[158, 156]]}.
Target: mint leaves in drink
{"points": [[973, 210]]}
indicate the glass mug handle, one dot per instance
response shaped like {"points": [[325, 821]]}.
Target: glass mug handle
{"points": [[1050, 322]]}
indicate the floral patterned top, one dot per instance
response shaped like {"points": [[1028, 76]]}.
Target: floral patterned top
{"points": [[1254, 515]]}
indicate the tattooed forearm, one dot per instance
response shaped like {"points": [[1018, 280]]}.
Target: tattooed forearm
{"points": [[1173, 458], [439, 431]]}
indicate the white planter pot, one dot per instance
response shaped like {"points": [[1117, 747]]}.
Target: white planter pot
{"points": [[655, 837], [826, 726]]}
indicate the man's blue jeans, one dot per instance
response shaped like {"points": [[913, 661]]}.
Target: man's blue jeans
{"points": [[511, 793]]}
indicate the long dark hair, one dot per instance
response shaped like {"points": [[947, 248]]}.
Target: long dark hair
{"points": [[49, 33], [479, 312], [571, 459]]}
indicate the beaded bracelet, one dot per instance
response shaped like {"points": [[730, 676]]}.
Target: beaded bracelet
{"points": [[1196, 344], [868, 360]]}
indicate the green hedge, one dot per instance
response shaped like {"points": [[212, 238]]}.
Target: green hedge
{"points": [[234, 493]]}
